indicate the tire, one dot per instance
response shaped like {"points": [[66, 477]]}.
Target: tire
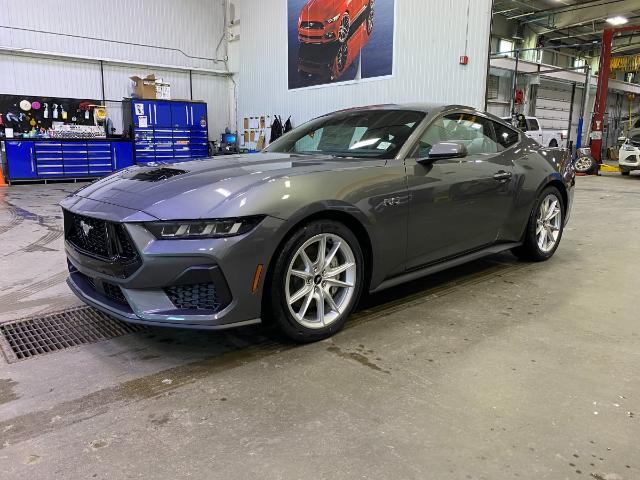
{"points": [[553, 143], [313, 315], [584, 165], [532, 249], [625, 172]]}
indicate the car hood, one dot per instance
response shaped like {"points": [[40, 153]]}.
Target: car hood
{"points": [[318, 10], [193, 189]]}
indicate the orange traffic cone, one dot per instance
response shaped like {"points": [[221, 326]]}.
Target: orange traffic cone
{"points": [[2, 181]]}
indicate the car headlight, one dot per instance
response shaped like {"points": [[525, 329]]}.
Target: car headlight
{"points": [[333, 20], [193, 229], [628, 148]]}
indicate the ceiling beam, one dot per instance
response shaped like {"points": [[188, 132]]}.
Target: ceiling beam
{"points": [[558, 21]]}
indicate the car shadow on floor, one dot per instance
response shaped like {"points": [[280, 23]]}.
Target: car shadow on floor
{"points": [[169, 341]]}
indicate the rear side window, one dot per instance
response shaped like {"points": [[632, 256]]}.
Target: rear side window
{"points": [[532, 125], [505, 136]]}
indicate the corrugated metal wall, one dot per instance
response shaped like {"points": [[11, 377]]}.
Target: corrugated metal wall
{"points": [[430, 38], [194, 27]]}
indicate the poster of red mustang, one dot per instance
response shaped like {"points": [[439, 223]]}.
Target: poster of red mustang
{"points": [[333, 41]]}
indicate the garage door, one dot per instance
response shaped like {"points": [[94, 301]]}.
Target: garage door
{"points": [[553, 105]]}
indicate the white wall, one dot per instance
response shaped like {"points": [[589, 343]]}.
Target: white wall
{"points": [[430, 38], [194, 27]]}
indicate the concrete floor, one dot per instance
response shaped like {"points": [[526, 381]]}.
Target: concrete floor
{"points": [[495, 370]]}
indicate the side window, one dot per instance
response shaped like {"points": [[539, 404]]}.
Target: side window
{"points": [[532, 125], [505, 136], [475, 133]]}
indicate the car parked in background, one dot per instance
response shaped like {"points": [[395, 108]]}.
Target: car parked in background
{"points": [[329, 21], [532, 129], [358, 200], [629, 156]]}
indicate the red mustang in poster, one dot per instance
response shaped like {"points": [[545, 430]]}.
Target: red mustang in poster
{"points": [[328, 21]]}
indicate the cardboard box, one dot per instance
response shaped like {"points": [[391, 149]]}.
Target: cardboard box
{"points": [[144, 88]]}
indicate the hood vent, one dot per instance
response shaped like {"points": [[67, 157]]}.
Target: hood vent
{"points": [[156, 175]]}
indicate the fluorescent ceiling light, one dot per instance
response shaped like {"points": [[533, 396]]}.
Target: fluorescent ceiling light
{"points": [[617, 20]]}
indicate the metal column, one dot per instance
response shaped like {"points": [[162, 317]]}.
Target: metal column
{"points": [[597, 125]]}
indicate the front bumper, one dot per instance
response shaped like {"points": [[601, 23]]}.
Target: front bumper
{"points": [[629, 159], [328, 34], [147, 295]]}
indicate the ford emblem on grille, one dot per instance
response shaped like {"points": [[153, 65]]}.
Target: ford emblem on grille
{"points": [[86, 228]]}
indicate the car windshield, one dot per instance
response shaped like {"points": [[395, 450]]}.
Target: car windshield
{"points": [[357, 134]]}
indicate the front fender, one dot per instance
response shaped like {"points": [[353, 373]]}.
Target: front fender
{"points": [[361, 193]]}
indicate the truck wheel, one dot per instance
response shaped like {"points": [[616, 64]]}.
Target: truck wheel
{"points": [[553, 143], [625, 172]]}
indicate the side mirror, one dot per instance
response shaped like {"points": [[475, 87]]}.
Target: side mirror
{"points": [[444, 150]]}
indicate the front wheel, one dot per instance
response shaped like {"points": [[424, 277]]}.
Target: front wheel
{"points": [[545, 227], [316, 281], [345, 28], [625, 172]]}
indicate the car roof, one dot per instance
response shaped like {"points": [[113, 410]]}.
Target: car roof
{"points": [[420, 107], [430, 109]]}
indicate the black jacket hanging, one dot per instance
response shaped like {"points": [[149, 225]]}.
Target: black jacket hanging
{"points": [[276, 129], [287, 126]]}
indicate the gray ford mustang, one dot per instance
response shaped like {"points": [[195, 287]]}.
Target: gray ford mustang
{"points": [[361, 199]]}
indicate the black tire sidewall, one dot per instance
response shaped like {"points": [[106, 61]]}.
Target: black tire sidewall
{"points": [[277, 304]]}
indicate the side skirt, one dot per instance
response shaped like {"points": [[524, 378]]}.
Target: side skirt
{"points": [[438, 267]]}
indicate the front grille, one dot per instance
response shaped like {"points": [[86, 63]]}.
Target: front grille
{"points": [[114, 293], [126, 249], [89, 234], [105, 240], [312, 25], [109, 290], [199, 296]]}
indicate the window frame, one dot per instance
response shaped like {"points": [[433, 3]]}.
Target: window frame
{"points": [[413, 150], [514, 130]]}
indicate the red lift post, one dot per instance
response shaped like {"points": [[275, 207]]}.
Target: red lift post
{"points": [[597, 125]]}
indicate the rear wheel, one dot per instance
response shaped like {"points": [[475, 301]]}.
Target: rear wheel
{"points": [[545, 227], [625, 172], [316, 281], [553, 143]]}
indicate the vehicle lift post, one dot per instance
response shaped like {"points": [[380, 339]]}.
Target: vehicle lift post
{"points": [[597, 124]]}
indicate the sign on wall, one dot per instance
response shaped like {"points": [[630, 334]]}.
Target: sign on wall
{"points": [[332, 41]]}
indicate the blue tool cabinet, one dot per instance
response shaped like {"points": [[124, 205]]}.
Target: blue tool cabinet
{"points": [[167, 130], [42, 159]]}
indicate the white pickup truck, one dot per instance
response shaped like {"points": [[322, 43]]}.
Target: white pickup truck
{"points": [[531, 128]]}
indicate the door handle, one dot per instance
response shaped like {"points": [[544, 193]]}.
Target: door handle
{"points": [[503, 176]]}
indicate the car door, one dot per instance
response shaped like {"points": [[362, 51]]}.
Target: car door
{"points": [[534, 131], [457, 205]]}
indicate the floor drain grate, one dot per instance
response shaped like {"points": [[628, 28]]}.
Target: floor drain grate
{"points": [[33, 336]]}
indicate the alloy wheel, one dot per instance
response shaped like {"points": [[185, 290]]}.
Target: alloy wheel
{"points": [[345, 25], [549, 223], [583, 164], [321, 281]]}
